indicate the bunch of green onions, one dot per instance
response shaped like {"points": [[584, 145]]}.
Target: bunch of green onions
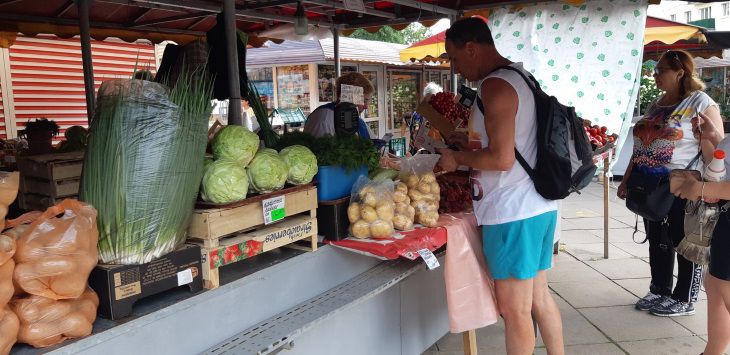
{"points": [[266, 133], [144, 164]]}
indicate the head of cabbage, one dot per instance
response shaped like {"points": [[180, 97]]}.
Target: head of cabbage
{"points": [[267, 171], [235, 143], [302, 164], [224, 181]]}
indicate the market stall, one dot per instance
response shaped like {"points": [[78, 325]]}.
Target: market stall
{"points": [[157, 215]]}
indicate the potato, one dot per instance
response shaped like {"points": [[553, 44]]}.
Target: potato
{"points": [[360, 229], [428, 177], [7, 248], [55, 311], [9, 325], [56, 266], [424, 187], [370, 200], [6, 282], [39, 335], [436, 189], [415, 195], [368, 214], [75, 325], [411, 212], [366, 190], [401, 208], [381, 229], [399, 186], [385, 212], [429, 219], [399, 196], [353, 212], [401, 222], [433, 205], [69, 286], [412, 181]]}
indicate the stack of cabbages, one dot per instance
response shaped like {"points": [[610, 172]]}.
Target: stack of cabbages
{"points": [[239, 166]]}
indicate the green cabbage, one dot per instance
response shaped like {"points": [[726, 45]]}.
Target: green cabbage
{"points": [[302, 164], [224, 181], [235, 143], [207, 161], [267, 171]]}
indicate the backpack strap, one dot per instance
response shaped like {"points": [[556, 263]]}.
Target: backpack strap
{"points": [[534, 85]]}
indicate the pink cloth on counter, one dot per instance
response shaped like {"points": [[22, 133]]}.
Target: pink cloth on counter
{"points": [[469, 287]]}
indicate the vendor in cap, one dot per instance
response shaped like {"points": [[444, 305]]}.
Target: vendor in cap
{"points": [[321, 121]]}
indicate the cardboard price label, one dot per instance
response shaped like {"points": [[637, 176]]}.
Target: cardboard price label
{"points": [[274, 209], [429, 259], [352, 94]]}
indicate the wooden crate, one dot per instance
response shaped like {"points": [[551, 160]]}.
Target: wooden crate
{"points": [[35, 202], [52, 167], [236, 232], [52, 188]]}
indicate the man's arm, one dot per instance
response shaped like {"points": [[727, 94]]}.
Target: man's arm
{"points": [[500, 105]]}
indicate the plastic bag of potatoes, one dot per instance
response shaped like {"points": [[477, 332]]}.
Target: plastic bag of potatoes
{"points": [[45, 322], [7, 265], [56, 253], [8, 329], [421, 188], [371, 209]]}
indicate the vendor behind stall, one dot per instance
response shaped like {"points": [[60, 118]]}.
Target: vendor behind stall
{"points": [[321, 121]]}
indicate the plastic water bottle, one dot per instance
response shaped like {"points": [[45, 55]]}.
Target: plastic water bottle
{"points": [[715, 171]]}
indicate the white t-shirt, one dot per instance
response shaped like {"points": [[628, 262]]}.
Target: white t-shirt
{"points": [[663, 138], [508, 196]]}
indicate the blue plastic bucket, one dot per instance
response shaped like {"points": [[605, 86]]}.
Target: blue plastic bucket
{"points": [[335, 182]]}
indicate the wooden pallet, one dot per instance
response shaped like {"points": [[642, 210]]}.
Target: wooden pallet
{"points": [[52, 167], [231, 234]]}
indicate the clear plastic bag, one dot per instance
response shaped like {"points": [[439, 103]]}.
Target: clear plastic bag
{"points": [[45, 322], [9, 326], [57, 252], [422, 189], [372, 210], [143, 167]]}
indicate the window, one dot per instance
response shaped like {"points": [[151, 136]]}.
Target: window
{"points": [[673, 17], [725, 9], [706, 13], [293, 87], [688, 16], [326, 80], [372, 76], [403, 96], [263, 80]]}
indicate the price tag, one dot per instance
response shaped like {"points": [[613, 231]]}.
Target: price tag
{"points": [[184, 277], [352, 94], [274, 209], [429, 259], [354, 5]]}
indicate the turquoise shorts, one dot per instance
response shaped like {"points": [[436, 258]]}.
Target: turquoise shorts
{"points": [[521, 248]]}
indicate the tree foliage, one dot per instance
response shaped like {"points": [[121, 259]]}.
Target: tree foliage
{"points": [[413, 33]]}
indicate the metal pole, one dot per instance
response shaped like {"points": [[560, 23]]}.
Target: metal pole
{"points": [[234, 85], [606, 162], [336, 44], [454, 86], [89, 87]]}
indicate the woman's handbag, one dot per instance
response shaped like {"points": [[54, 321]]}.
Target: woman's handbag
{"points": [[700, 219], [648, 195]]}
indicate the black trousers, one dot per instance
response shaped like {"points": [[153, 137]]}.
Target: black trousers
{"points": [[663, 238]]}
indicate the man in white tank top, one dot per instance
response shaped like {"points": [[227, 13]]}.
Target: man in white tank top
{"points": [[518, 225]]}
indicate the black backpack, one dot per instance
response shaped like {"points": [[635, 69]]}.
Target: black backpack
{"points": [[564, 156]]}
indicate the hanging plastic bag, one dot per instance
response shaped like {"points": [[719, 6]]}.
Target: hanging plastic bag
{"points": [[423, 190], [45, 322], [7, 265], [9, 183], [371, 209], [8, 329], [56, 253]]}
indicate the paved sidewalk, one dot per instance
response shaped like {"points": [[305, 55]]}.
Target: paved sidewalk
{"points": [[596, 295]]}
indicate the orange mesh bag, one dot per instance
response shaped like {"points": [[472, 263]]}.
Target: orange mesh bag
{"points": [[9, 183], [56, 253], [7, 265], [45, 322], [8, 329]]}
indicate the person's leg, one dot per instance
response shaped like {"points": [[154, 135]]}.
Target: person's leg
{"points": [[718, 315], [514, 299], [661, 260], [547, 314]]}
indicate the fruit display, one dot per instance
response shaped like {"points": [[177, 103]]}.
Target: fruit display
{"points": [[443, 103], [455, 192], [598, 135], [372, 210], [424, 193]]}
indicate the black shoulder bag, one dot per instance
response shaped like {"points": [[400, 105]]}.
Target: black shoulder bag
{"points": [[648, 195]]}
